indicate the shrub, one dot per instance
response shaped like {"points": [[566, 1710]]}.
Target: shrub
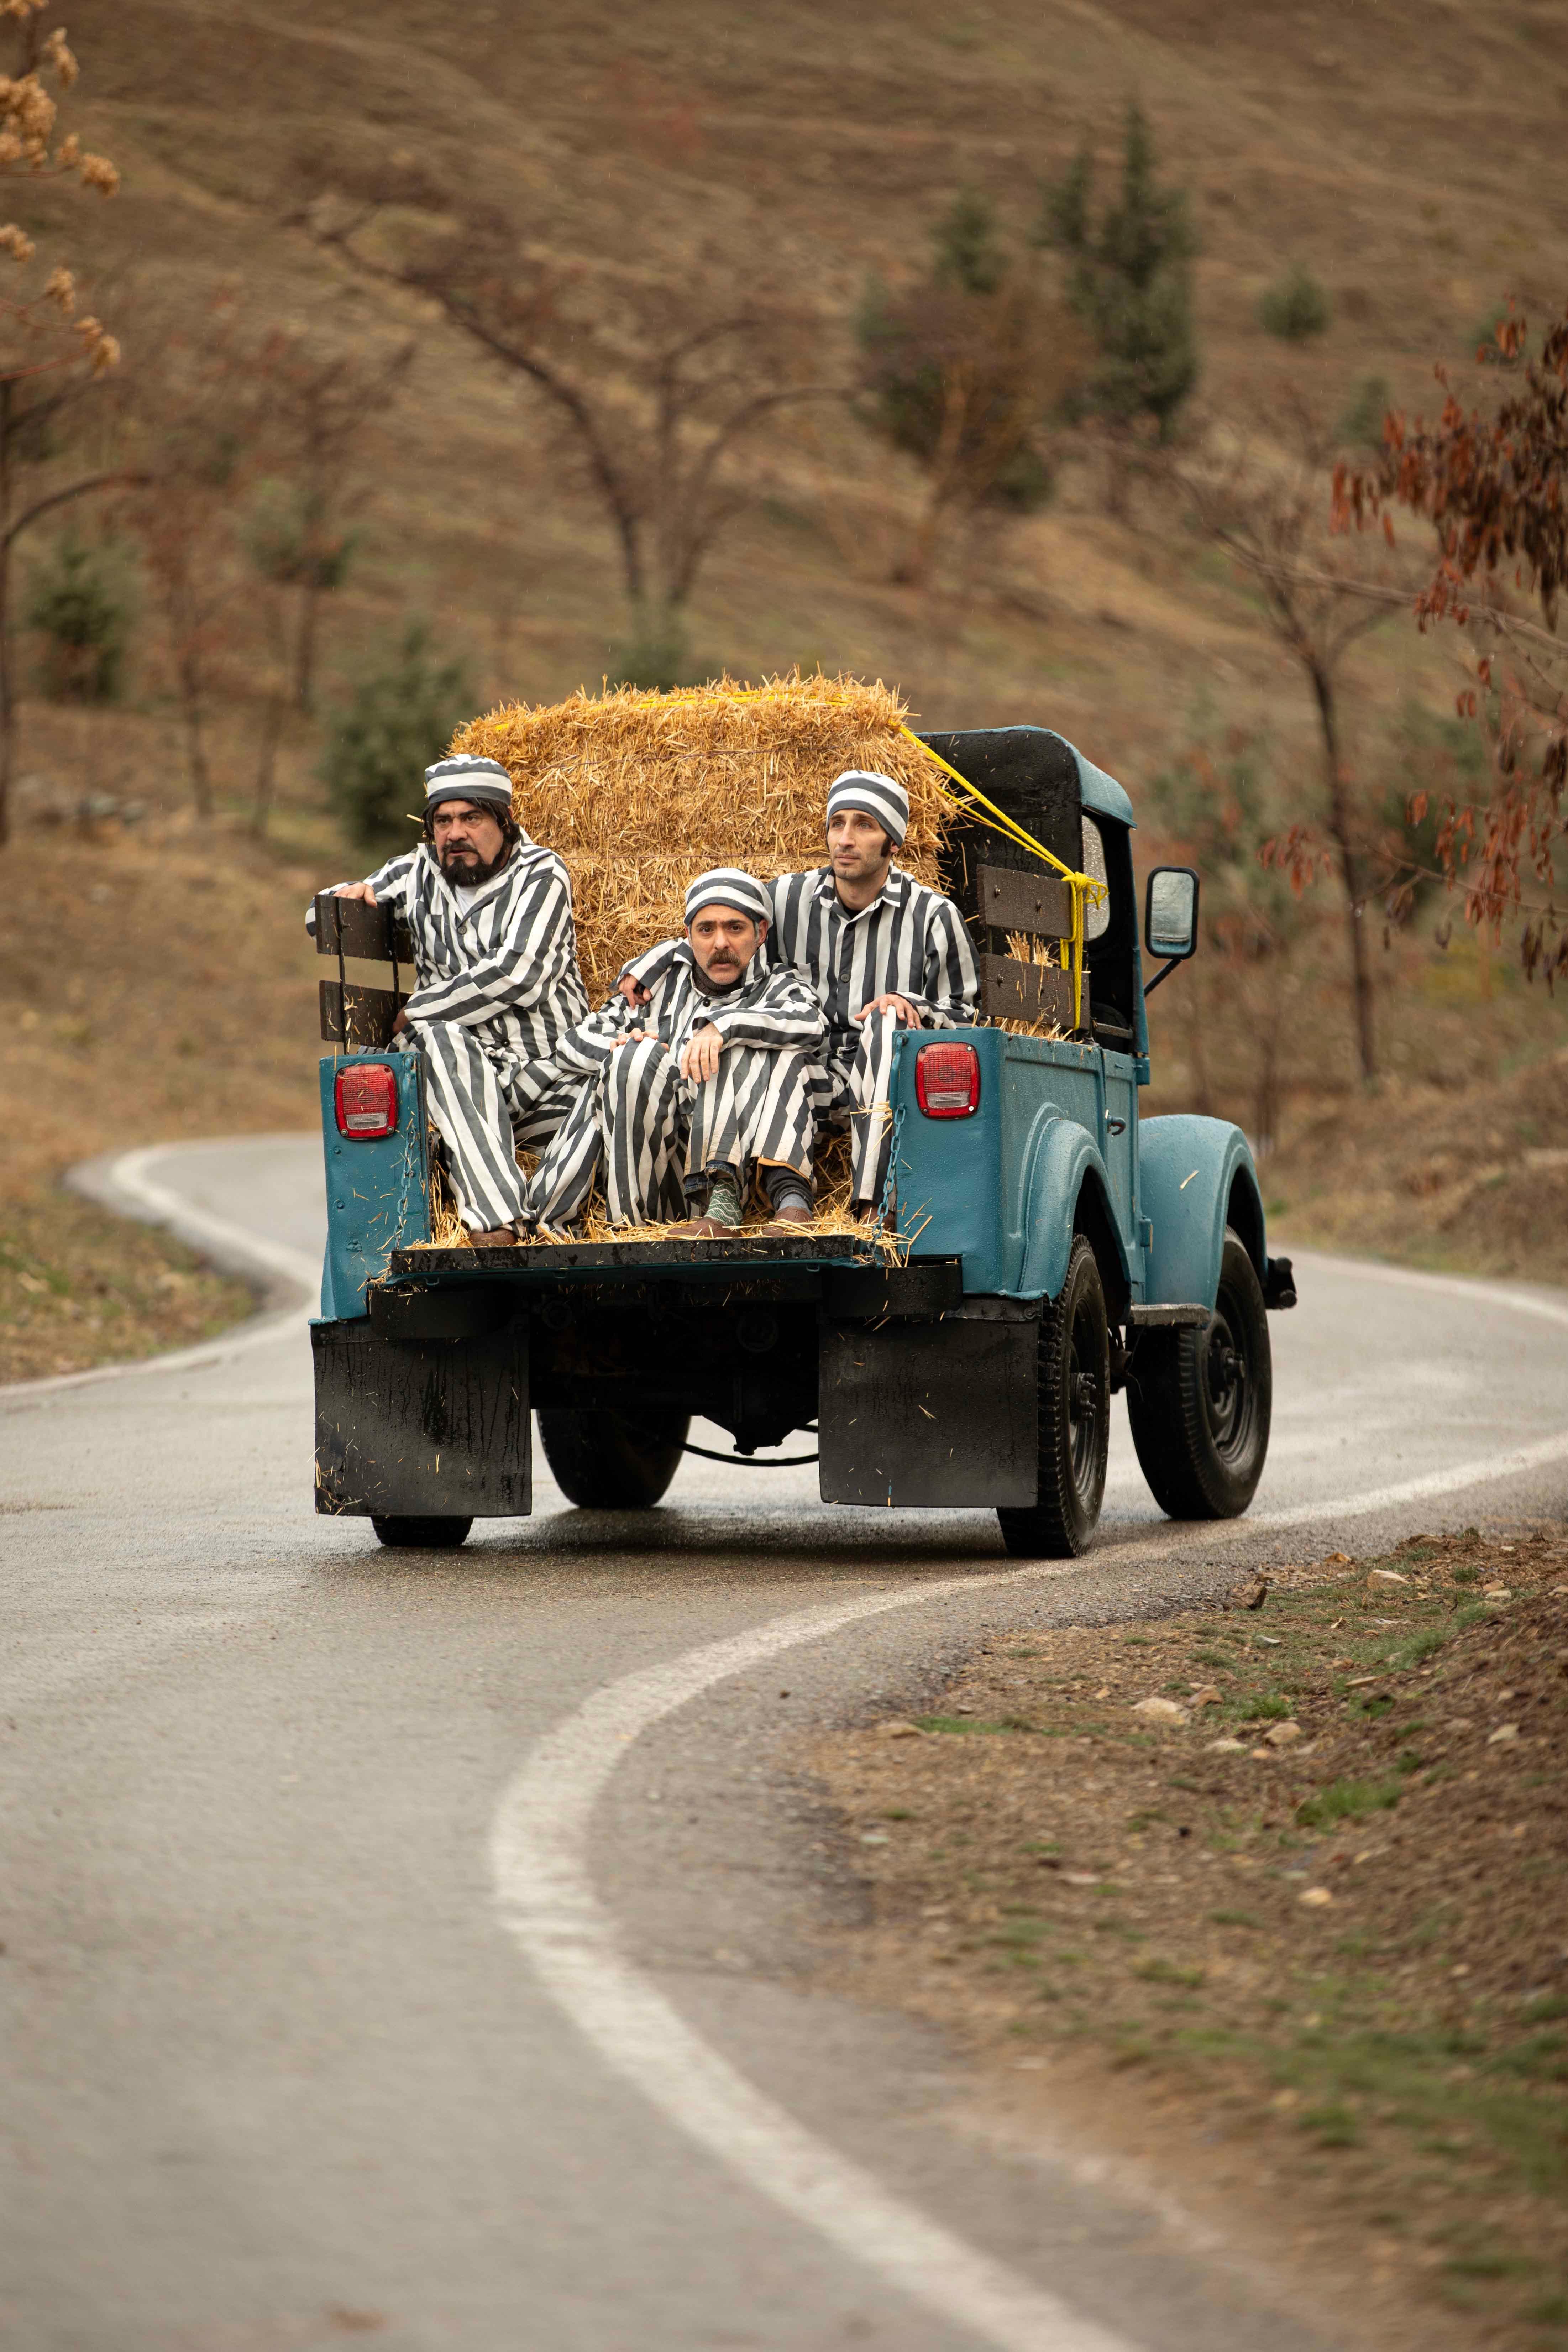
{"points": [[1361, 426], [289, 542], [398, 719], [1347, 1801], [1295, 308], [79, 601], [1483, 342]]}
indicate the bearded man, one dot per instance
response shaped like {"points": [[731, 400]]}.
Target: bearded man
{"points": [[495, 955], [881, 951], [713, 1084]]}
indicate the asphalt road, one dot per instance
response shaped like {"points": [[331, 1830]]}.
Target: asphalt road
{"points": [[412, 1945]]}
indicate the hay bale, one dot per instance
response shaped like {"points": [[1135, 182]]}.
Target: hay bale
{"points": [[639, 791]]}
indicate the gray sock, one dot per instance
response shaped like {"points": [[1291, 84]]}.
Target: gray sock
{"points": [[787, 1188]]}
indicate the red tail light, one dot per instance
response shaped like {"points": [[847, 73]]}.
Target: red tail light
{"points": [[947, 1081], [365, 1099]]}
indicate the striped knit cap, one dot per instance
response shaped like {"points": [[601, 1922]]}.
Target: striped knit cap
{"points": [[465, 777], [726, 885], [877, 795]]}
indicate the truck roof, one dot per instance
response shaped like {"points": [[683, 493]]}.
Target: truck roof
{"points": [[1102, 795]]}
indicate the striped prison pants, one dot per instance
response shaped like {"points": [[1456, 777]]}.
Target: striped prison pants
{"points": [[645, 1127], [850, 1089], [484, 1101]]}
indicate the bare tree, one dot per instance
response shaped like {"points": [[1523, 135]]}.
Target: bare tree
{"points": [[198, 410], [1494, 489], [654, 394], [1217, 803], [49, 356], [1268, 511], [319, 404]]}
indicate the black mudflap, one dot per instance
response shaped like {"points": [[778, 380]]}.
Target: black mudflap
{"points": [[422, 1428], [936, 1415]]}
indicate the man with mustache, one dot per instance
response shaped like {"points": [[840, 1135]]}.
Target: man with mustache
{"points": [[712, 1079], [496, 961]]}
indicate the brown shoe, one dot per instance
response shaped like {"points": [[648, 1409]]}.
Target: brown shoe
{"points": [[707, 1229], [494, 1237]]}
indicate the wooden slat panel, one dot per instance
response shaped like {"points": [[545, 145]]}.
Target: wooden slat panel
{"points": [[351, 927], [1010, 991], [1036, 901], [370, 1013]]}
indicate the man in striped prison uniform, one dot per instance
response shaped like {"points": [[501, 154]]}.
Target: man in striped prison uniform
{"points": [[714, 1079], [881, 952], [496, 961]]}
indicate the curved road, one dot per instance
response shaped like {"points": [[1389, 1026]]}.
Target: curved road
{"points": [[412, 1945]]}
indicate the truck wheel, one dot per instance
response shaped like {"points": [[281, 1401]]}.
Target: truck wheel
{"points": [[1200, 1399], [421, 1535], [610, 1462], [1075, 1419]]}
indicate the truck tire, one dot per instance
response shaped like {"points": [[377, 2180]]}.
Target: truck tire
{"points": [[610, 1462], [421, 1535], [1074, 1418], [1200, 1399]]}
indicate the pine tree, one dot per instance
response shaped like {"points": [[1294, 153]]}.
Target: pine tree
{"points": [[966, 246], [1130, 280]]}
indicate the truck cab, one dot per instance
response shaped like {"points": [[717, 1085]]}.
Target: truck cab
{"points": [[1047, 1248]]}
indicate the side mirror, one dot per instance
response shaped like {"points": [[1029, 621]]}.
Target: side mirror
{"points": [[1170, 918]]}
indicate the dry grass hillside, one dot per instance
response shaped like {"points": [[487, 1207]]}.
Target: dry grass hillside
{"points": [[1408, 162], [1406, 155]]}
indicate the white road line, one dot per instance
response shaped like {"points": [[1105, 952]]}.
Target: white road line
{"points": [[1471, 1289], [1458, 1476], [537, 1855], [1416, 1490], [128, 1175], [545, 1898]]}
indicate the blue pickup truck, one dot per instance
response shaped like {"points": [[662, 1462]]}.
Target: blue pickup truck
{"points": [[1052, 1248]]}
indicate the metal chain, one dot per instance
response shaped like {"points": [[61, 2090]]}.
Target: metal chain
{"points": [[889, 1181]]}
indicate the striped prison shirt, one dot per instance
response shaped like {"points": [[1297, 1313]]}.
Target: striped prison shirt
{"points": [[909, 941], [504, 964], [771, 1009]]}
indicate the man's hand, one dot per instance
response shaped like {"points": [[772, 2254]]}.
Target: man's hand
{"points": [[401, 1024], [635, 1037], [632, 989], [700, 1055], [891, 1004], [355, 890]]}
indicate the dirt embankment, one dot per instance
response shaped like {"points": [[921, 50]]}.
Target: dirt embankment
{"points": [[1270, 1899], [1473, 1178], [158, 985]]}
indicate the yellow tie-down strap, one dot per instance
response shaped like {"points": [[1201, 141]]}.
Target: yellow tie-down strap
{"points": [[975, 803]]}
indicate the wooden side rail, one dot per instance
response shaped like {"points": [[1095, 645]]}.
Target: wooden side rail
{"points": [[351, 927], [1033, 901], [1013, 990], [354, 1016], [1009, 900]]}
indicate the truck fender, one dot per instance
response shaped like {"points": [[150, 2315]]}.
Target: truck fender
{"points": [[1063, 1176], [1195, 1176]]}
